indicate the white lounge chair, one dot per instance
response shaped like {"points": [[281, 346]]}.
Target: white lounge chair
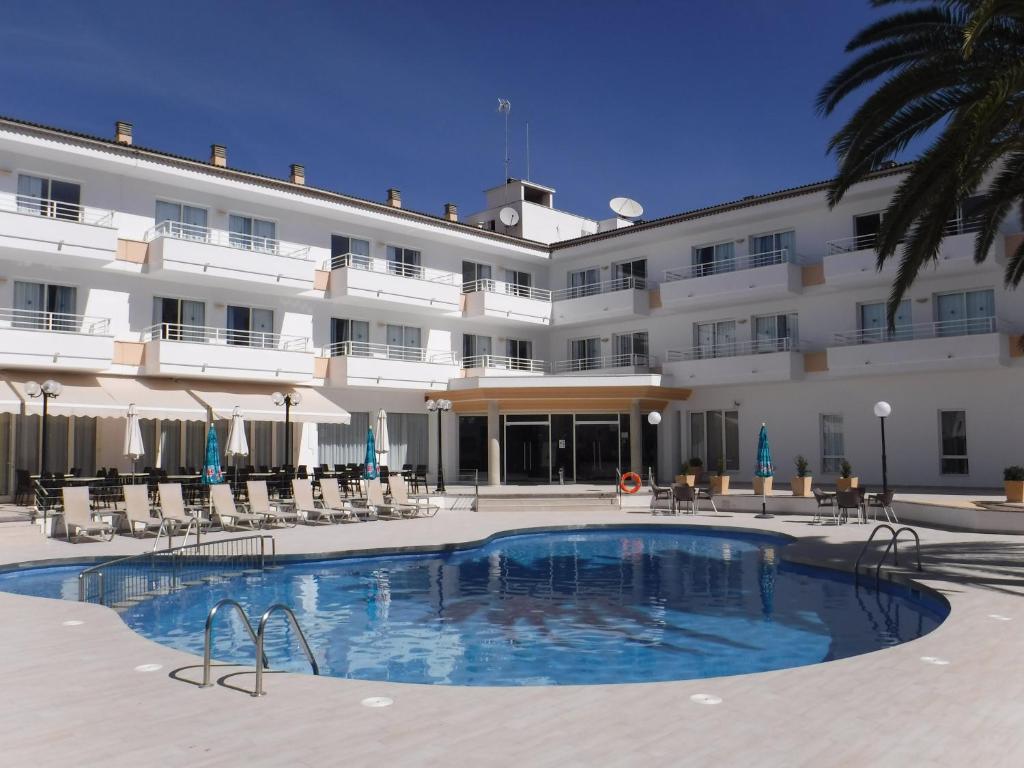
{"points": [[272, 512], [228, 514], [173, 508], [140, 513], [78, 516], [413, 506], [330, 491], [309, 509], [375, 501]]}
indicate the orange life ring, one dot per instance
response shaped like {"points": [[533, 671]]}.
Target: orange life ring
{"points": [[634, 482]]}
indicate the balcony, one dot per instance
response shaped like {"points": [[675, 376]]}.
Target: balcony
{"points": [[498, 365], [940, 346], [504, 302], [741, 362], [66, 233], [618, 299], [612, 365], [360, 364], [751, 278], [226, 258], [222, 353], [370, 281], [54, 341]]}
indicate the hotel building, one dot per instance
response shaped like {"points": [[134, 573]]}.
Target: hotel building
{"points": [[188, 288]]}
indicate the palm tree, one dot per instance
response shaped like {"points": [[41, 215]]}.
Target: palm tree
{"points": [[952, 69]]}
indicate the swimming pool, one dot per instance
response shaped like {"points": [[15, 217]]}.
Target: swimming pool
{"points": [[620, 605]]}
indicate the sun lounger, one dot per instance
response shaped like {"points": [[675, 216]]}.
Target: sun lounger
{"points": [[410, 506], [172, 507], [140, 514], [228, 514], [309, 509], [330, 491], [78, 516], [260, 504], [375, 501]]}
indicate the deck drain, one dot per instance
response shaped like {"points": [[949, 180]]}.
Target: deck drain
{"points": [[705, 698], [999, 617], [938, 661], [72, 623], [148, 667], [377, 702]]}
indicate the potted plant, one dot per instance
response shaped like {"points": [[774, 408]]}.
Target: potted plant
{"points": [[846, 479], [720, 480], [690, 471], [801, 484], [1013, 483]]}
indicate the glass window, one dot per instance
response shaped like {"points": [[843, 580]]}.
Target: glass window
{"points": [[250, 327], [404, 262], [872, 324], [585, 354], [404, 342], [772, 248], [45, 306], [713, 259], [953, 442], [185, 221], [832, 450], [252, 234], [865, 230], [350, 251], [631, 274], [518, 283], [350, 337], [520, 350], [584, 282], [630, 348], [472, 273], [714, 438], [965, 312], [49, 197], [774, 333], [716, 339]]}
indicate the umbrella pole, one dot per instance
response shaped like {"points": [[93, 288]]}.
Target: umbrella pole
{"points": [[764, 514]]}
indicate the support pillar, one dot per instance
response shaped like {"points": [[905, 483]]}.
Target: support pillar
{"points": [[636, 443], [493, 445]]}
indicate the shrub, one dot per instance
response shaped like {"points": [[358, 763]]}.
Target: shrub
{"points": [[801, 466], [1014, 473], [720, 467], [845, 470], [696, 462]]}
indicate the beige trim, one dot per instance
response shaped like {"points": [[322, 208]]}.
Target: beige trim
{"points": [[132, 251], [815, 362], [321, 279], [564, 399], [320, 365], [1016, 340], [813, 274], [129, 353], [654, 300]]}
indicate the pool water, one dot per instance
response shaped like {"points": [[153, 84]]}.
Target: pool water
{"points": [[582, 607]]}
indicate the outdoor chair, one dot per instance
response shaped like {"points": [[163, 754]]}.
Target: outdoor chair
{"points": [[309, 509], [228, 513], [847, 500], [883, 501], [375, 501], [272, 512], [173, 507], [139, 513], [410, 506], [78, 516], [684, 494], [330, 494], [824, 501], [23, 487], [705, 494], [420, 477]]}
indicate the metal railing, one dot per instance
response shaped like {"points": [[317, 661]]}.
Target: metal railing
{"points": [[60, 322], [733, 349], [56, 209], [501, 362], [201, 334], [387, 267], [941, 328], [390, 352], [595, 289], [488, 285], [893, 544], [603, 362], [734, 264], [181, 231], [261, 634], [153, 573], [955, 226]]}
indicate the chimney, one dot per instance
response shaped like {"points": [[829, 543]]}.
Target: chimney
{"points": [[219, 155], [297, 174], [395, 198], [451, 211], [123, 132]]}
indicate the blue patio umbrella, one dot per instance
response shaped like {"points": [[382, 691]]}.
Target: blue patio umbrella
{"points": [[370, 468], [763, 464], [212, 474]]}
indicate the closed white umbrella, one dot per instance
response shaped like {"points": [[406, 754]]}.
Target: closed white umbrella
{"points": [[133, 447], [383, 444], [237, 445]]}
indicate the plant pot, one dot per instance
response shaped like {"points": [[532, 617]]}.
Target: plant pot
{"points": [[1014, 491], [720, 484], [846, 483], [801, 485], [698, 473], [763, 486], [690, 480]]}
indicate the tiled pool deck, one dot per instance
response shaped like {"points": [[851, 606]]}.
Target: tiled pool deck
{"points": [[72, 695]]}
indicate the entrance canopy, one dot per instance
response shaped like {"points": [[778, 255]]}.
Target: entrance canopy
{"points": [[255, 403], [153, 398]]}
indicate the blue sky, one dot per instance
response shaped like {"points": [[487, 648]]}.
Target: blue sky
{"points": [[677, 104]]}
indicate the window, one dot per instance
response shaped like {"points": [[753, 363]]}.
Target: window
{"points": [[584, 282], [350, 337], [965, 312], [584, 354], [631, 274], [712, 259], [518, 283], [252, 234], [184, 221], [970, 216], [49, 197], [865, 230], [404, 262], [521, 352], [349, 251], [772, 248], [832, 450], [872, 324], [42, 306], [715, 438], [179, 319], [630, 348], [716, 339], [953, 442], [472, 273], [475, 346], [249, 327], [774, 333], [404, 343]]}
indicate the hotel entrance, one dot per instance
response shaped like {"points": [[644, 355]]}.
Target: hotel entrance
{"points": [[527, 449], [597, 447]]}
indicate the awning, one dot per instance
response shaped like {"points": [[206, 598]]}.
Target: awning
{"points": [[9, 400], [153, 398], [82, 396], [255, 403]]}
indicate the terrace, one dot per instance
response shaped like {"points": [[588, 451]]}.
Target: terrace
{"points": [[737, 362], [619, 299], [67, 233], [56, 340], [748, 278], [369, 281]]}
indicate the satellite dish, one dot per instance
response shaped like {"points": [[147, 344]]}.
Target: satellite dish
{"points": [[626, 208], [509, 216]]}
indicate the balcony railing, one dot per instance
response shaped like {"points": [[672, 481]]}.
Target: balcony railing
{"points": [[938, 329], [508, 289], [595, 289], [390, 352], [55, 209], [182, 231], [58, 322], [735, 264], [603, 362], [957, 226], [383, 266], [501, 362], [733, 349], [201, 334]]}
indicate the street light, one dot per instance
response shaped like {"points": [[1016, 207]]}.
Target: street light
{"points": [[440, 406], [654, 418], [46, 390], [292, 398], [882, 410]]}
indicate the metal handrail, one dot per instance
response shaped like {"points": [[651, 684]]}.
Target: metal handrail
{"points": [[500, 362], [509, 289], [732, 264], [58, 322], [595, 289], [260, 634], [201, 334], [180, 230], [390, 352], [958, 225], [208, 637], [734, 349], [387, 267], [893, 544], [603, 362], [55, 209], [940, 328]]}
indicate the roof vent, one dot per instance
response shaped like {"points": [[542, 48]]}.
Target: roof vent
{"points": [[219, 155], [451, 211], [123, 132], [394, 198], [297, 174]]}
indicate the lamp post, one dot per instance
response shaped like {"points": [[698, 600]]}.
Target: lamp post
{"points": [[440, 406], [46, 390], [882, 410], [292, 398], [654, 419]]}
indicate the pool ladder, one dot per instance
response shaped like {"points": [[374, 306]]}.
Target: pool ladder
{"points": [[894, 535], [257, 638]]}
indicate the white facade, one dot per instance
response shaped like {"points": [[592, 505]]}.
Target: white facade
{"points": [[763, 310]]}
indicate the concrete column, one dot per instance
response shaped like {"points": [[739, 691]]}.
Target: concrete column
{"points": [[635, 439], [493, 445]]}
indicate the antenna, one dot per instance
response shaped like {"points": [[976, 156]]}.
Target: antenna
{"points": [[509, 216], [527, 150], [504, 105], [626, 208]]}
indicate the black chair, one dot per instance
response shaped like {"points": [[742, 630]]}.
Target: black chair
{"points": [[824, 501], [684, 494], [847, 500], [883, 501], [420, 476], [23, 487]]}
